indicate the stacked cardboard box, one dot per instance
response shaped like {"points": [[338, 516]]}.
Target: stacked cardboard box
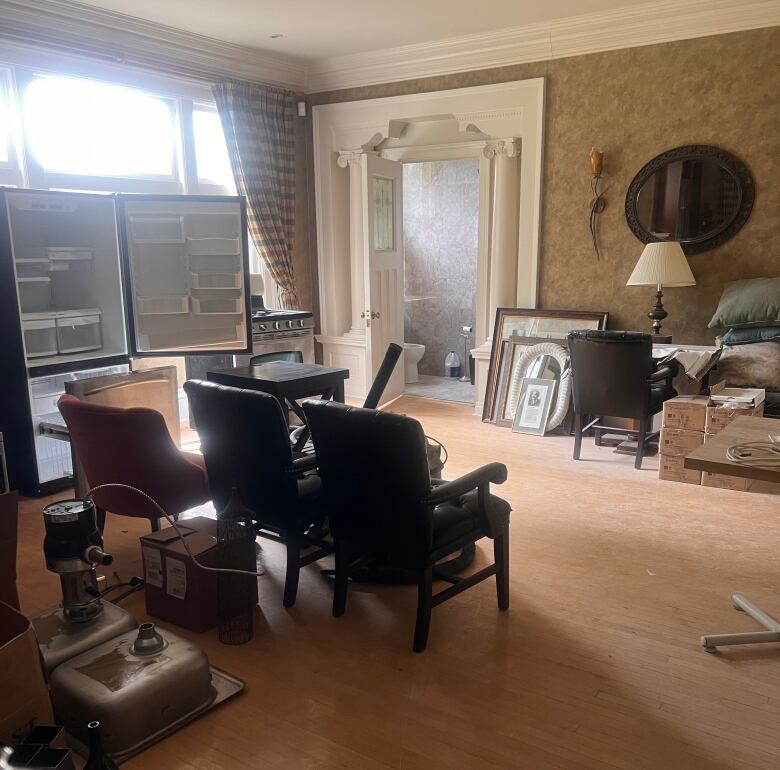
{"points": [[689, 420], [682, 430], [719, 415]]}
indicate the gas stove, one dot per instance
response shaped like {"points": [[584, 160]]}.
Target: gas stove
{"points": [[272, 324]]}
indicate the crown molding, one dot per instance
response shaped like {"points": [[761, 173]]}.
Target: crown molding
{"points": [[658, 22], [71, 26]]}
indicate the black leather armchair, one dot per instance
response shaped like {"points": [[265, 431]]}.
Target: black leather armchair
{"points": [[381, 504], [614, 375], [246, 445]]}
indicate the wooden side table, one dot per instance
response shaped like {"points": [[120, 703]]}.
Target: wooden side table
{"points": [[711, 457]]}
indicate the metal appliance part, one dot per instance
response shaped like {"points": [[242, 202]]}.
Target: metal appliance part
{"points": [[73, 547]]}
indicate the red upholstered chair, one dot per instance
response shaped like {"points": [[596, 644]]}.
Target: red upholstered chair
{"points": [[133, 446]]}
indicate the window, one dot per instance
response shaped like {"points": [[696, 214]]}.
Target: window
{"points": [[5, 128], [211, 155], [90, 128]]}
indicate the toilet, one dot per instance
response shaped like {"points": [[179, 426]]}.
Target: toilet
{"points": [[412, 355]]}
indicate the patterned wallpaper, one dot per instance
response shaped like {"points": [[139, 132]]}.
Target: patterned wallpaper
{"points": [[441, 213], [633, 104]]}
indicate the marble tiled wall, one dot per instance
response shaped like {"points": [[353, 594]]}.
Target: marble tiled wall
{"points": [[441, 208]]}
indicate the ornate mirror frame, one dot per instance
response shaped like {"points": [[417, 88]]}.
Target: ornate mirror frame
{"points": [[734, 165], [561, 355]]}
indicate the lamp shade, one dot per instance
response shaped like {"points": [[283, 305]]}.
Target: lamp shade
{"points": [[662, 264]]}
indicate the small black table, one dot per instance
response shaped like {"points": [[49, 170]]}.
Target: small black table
{"points": [[287, 381]]}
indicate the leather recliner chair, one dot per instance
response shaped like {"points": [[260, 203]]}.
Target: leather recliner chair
{"points": [[614, 375]]}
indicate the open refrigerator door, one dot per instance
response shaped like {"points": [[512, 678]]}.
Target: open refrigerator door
{"points": [[186, 274]]}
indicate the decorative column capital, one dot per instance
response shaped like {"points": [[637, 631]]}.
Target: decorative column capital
{"points": [[496, 147], [349, 157]]}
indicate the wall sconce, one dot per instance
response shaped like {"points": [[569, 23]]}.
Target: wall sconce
{"points": [[597, 203]]}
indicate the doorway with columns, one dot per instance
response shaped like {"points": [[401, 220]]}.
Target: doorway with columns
{"points": [[359, 151]]}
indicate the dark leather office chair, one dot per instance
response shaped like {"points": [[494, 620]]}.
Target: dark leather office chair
{"points": [[246, 445], [614, 375], [381, 504]]}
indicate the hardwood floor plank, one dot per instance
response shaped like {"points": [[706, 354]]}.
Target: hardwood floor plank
{"points": [[614, 575]]}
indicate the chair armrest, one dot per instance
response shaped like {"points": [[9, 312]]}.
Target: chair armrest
{"points": [[449, 490], [665, 372], [303, 464]]}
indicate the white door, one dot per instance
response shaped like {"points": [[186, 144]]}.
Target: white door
{"points": [[384, 265]]}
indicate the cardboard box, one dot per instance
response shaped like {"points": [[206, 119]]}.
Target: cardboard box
{"points": [[686, 412], [739, 484], [24, 700], [671, 468], [177, 590], [679, 443], [718, 417]]}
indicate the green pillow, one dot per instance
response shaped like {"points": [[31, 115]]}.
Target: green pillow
{"points": [[752, 302], [750, 334]]}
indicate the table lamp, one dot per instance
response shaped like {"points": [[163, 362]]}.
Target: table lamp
{"points": [[661, 264]]}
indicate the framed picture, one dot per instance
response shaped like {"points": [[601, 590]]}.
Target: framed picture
{"points": [[528, 326], [533, 406]]}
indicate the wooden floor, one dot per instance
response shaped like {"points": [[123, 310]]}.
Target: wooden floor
{"points": [[597, 664]]}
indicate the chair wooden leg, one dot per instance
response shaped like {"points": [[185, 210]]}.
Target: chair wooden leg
{"points": [[341, 552], [640, 443], [577, 435], [501, 557], [424, 607], [293, 569], [100, 519]]}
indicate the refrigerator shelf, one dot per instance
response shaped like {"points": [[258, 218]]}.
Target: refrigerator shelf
{"points": [[217, 305], [215, 263], [157, 230], [212, 281], [213, 246], [177, 305], [33, 279], [70, 253]]}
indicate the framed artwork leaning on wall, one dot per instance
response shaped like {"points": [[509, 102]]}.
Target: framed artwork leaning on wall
{"points": [[530, 326]]}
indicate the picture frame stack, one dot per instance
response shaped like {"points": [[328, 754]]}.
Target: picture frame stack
{"points": [[529, 356]]}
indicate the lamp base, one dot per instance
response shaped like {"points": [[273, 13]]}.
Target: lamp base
{"points": [[657, 313]]}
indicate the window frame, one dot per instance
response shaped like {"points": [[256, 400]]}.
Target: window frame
{"points": [[19, 67], [11, 170]]}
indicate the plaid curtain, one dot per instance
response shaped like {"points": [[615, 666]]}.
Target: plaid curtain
{"points": [[258, 122]]}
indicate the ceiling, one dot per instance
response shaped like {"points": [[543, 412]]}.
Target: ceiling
{"points": [[324, 28]]}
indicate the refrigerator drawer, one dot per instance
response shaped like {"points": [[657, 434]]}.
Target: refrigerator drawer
{"points": [[215, 280], [217, 305], [40, 338], [79, 333], [213, 246]]}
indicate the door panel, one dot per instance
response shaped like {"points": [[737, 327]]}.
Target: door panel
{"points": [[384, 264], [186, 274]]}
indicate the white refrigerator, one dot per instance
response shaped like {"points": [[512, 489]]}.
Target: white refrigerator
{"points": [[88, 281]]}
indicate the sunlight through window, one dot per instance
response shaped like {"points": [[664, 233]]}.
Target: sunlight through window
{"points": [[5, 127], [95, 129], [211, 155]]}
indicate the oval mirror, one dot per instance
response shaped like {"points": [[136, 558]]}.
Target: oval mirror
{"points": [[697, 195], [546, 361]]}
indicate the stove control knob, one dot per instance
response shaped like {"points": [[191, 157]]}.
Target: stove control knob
{"points": [[277, 325], [290, 324], [262, 327], [301, 323]]}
